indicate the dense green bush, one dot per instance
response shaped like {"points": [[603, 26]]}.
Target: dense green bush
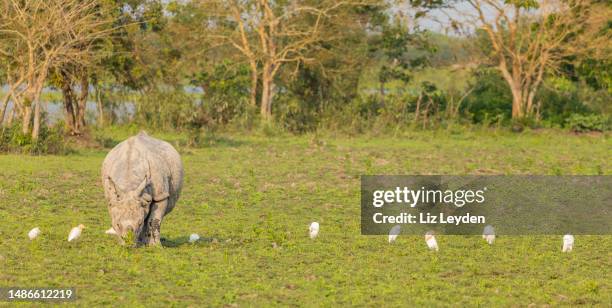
{"points": [[305, 99], [588, 123], [225, 97], [395, 109], [296, 116], [164, 108], [50, 141], [220, 97], [490, 100], [557, 100], [425, 107]]}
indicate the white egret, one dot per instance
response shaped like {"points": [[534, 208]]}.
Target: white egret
{"points": [[313, 230], [394, 233], [75, 232], [568, 243], [194, 237], [489, 234], [34, 233], [430, 239]]}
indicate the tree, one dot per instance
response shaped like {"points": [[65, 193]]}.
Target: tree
{"points": [[270, 35], [405, 48], [70, 78], [527, 40], [595, 65], [37, 36]]}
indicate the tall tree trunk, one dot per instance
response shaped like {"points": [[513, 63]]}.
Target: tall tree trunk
{"points": [[265, 97], [37, 112], [100, 106], [68, 95], [267, 93], [517, 103], [267, 100], [271, 96], [5, 102], [254, 79], [36, 125], [530, 98], [26, 119], [11, 116], [513, 82], [82, 102], [418, 109], [533, 88], [382, 93]]}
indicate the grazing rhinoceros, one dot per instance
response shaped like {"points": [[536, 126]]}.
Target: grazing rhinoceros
{"points": [[142, 178]]}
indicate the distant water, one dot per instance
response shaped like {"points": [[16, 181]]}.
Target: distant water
{"points": [[55, 111]]}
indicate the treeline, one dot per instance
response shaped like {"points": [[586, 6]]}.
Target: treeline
{"points": [[306, 65]]}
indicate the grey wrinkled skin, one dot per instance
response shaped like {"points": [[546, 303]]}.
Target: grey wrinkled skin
{"points": [[142, 178]]}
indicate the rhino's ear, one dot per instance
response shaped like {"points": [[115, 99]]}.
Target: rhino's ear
{"points": [[140, 189], [112, 188], [144, 196]]}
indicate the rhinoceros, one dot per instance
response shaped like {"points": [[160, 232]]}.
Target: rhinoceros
{"points": [[142, 178]]}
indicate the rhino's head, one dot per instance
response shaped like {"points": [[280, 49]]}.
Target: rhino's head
{"points": [[128, 209]]}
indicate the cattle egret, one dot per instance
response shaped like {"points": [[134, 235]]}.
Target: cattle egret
{"points": [[34, 233], [194, 237], [75, 232], [313, 230], [489, 234], [111, 231], [393, 233], [568, 243], [430, 239]]}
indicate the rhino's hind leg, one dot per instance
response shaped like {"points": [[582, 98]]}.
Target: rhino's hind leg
{"points": [[150, 234]]}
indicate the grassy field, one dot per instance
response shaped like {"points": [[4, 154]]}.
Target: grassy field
{"points": [[242, 194]]}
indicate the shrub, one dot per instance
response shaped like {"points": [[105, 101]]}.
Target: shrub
{"points": [[396, 110], [588, 123], [50, 141], [491, 99], [559, 99], [296, 116], [161, 108], [224, 99]]}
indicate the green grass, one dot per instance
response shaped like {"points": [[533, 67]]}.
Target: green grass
{"points": [[242, 194]]}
